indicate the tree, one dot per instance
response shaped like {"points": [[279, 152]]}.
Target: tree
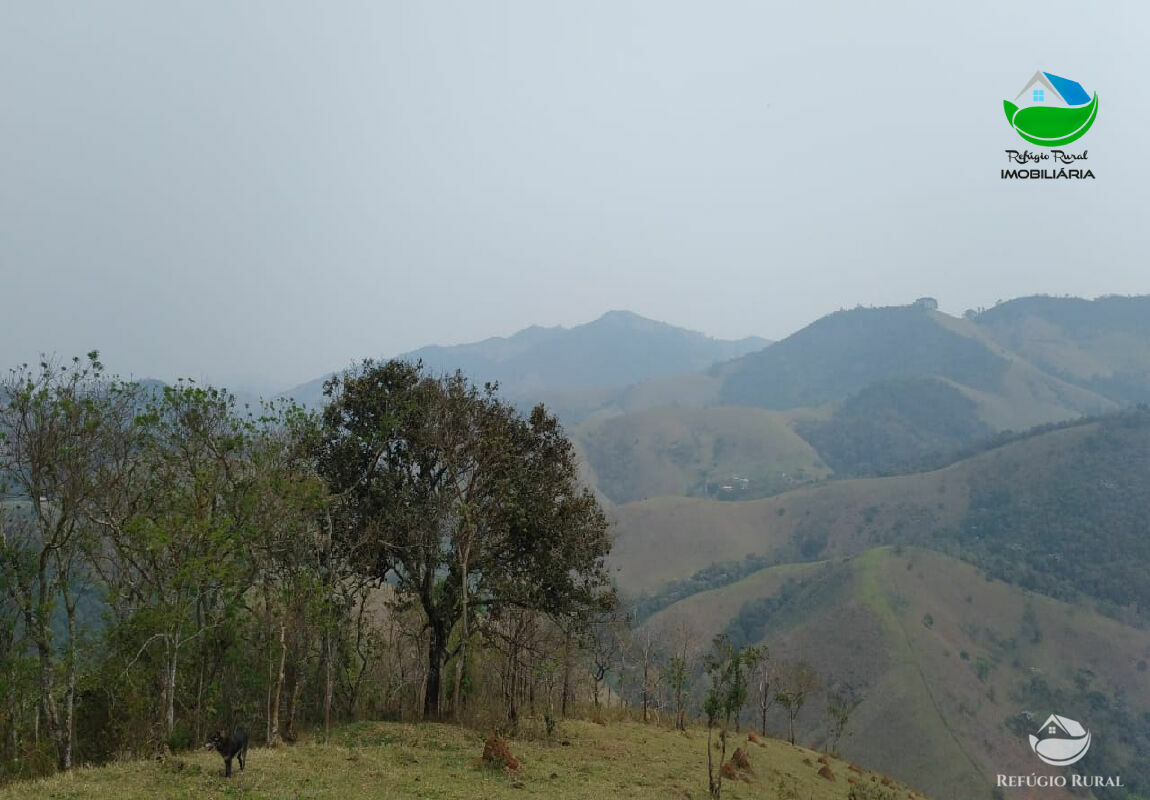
{"points": [[604, 641], [797, 681], [287, 500], [678, 670], [842, 700], [60, 426], [763, 671], [726, 666], [465, 505], [179, 537], [676, 674], [649, 649]]}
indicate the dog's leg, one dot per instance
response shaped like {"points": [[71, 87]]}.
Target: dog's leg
{"points": [[228, 767]]}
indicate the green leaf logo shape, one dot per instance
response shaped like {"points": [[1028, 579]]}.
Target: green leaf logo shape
{"points": [[1051, 127], [1054, 111]]}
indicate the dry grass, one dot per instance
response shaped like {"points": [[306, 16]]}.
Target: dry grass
{"points": [[372, 760]]}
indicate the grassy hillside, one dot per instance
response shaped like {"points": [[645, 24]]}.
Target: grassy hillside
{"points": [[824, 520], [956, 669], [625, 760], [848, 350], [726, 453], [846, 517], [1101, 344], [1045, 613]]}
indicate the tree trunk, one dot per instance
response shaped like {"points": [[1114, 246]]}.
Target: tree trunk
{"points": [[202, 673], [645, 667], [329, 685], [710, 764], [293, 704], [200, 698], [274, 711], [566, 671], [68, 735], [461, 656], [44, 653], [170, 695], [512, 690], [530, 688], [436, 654], [328, 678]]}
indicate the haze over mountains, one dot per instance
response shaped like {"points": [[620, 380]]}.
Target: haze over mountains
{"points": [[871, 495], [659, 410], [618, 349], [857, 496]]}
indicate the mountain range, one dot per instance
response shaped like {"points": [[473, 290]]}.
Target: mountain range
{"points": [[946, 513], [617, 349]]}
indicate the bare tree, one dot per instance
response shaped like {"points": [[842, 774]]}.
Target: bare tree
{"points": [[764, 682], [649, 654], [797, 681], [842, 700], [605, 650]]}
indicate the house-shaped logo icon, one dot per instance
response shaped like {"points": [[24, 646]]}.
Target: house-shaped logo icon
{"points": [[1061, 741], [1051, 111], [1045, 89]]}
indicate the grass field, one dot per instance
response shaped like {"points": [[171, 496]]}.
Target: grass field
{"points": [[696, 452], [393, 760]]}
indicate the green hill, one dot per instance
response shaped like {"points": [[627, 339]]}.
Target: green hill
{"points": [[1078, 491], [848, 350], [955, 669], [723, 452], [892, 425], [1103, 344], [1030, 596]]}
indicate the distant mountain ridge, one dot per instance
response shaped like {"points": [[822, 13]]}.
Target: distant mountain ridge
{"points": [[618, 349], [1102, 345]]}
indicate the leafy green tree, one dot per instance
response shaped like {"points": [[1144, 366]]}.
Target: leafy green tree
{"points": [[463, 504], [60, 426], [179, 535], [677, 675], [727, 668]]}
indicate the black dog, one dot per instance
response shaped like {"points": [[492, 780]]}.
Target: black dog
{"points": [[229, 746]]}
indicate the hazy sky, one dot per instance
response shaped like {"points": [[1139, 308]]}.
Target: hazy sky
{"points": [[258, 192]]}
